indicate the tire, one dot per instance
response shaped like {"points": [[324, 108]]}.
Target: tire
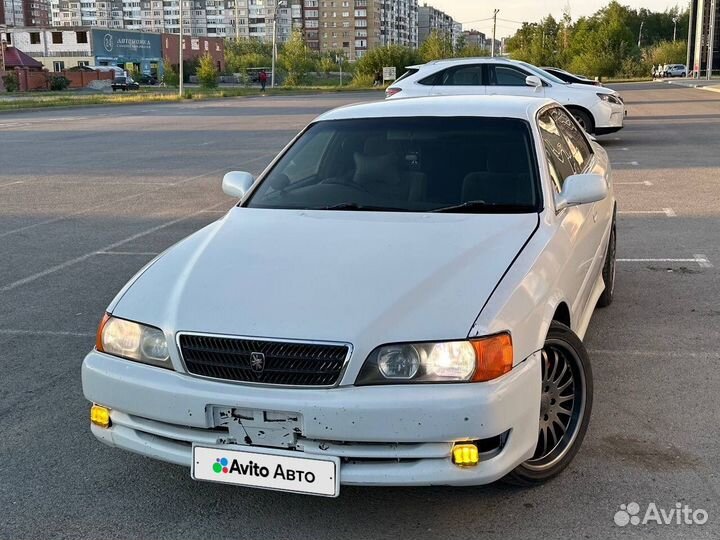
{"points": [[561, 433], [584, 119], [608, 271]]}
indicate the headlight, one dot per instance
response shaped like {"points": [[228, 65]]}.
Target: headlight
{"points": [[475, 360], [133, 341], [610, 98]]}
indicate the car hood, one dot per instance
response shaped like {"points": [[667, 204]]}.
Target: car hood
{"points": [[354, 277]]}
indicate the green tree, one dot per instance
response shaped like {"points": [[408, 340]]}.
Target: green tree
{"points": [[604, 44], [207, 72], [326, 65], [437, 46], [377, 58], [170, 76], [246, 53], [667, 52], [296, 59]]}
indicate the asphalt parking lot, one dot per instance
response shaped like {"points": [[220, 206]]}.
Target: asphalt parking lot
{"points": [[87, 196]]}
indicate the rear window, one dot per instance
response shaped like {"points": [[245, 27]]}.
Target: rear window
{"points": [[407, 164], [407, 74]]}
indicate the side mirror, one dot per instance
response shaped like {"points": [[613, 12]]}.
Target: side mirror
{"points": [[581, 189], [237, 183], [534, 81]]}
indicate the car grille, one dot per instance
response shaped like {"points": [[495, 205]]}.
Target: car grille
{"points": [[263, 362]]}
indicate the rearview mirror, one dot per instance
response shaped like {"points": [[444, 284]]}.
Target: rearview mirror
{"points": [[534, 81], [581, 189], [237, 183]]}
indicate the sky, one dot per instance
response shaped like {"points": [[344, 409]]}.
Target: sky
{"points": [[469, 11]]}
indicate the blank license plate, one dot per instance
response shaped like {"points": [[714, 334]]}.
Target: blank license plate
{"points": [[268, 469]]}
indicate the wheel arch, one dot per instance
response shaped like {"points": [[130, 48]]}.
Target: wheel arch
{"points": [[562, 314], [573, 107]]}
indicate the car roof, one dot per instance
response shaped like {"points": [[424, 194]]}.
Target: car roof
{"points": [[468, 60], [442, 106]]}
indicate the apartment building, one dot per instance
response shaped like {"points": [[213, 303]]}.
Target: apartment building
{"points": [[431, 19], [212, 18], [17, 13], [354, 26]]}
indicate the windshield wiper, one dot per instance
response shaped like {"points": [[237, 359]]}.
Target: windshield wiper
{"points": [[361, 208], [481, 207]]}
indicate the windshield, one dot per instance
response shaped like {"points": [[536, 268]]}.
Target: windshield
{"points": [[465, 165], [549, 76]]}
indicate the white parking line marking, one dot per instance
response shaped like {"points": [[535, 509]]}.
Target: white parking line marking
{"points": [[703, 261], [663, 354], [645, 183], [11, 184], [127, 253], [81, 258], [12, 332], [700, 259], [631, 163], [669, 212]]}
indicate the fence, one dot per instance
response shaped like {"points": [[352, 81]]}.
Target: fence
{"points": [[40, 80]]}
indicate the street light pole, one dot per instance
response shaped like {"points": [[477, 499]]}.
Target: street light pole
{"points": [[711, 40], [274, 47], [675, 21], [278, 5], [237, 19], [642, 23], [180, 50], [495, 14]]}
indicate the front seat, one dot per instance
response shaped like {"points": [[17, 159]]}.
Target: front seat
{"points": [[505, 181]]}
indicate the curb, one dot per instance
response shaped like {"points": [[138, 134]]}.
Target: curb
{"points": [[713, 88]]}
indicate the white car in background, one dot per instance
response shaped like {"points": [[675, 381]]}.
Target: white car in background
{"points": [[399, 299], [675, 70], [598, 110]]}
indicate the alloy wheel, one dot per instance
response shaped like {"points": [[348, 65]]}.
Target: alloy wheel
{"points": [[562, 404]]}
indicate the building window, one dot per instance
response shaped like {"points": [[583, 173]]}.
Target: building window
{"points": [[35, 38], [81, 37], [58, 65], [57, 38]]}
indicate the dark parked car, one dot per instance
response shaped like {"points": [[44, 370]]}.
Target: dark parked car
{"points": [[124, 84], [570, 77], [146, 78]]}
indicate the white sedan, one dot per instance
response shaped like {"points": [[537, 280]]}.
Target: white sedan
{"points": [[598, 110], [399, 299]]}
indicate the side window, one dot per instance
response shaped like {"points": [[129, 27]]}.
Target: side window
{"points": [[507, 76], [470, 75], [560, 161], [580, 149]]}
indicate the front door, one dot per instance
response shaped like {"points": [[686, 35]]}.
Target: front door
{"points": [[507, 80]]}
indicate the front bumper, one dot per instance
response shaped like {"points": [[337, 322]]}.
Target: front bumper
{"points": [[609, 117], [385, 435]]}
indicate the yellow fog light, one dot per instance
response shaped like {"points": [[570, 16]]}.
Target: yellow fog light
{"points": [[100, 416], [465, 455]]}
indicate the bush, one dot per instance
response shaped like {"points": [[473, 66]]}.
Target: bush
{"points": [[58, 82], [207, 72], [362, 81], [11, 82], [375, 59], [170, 77]]}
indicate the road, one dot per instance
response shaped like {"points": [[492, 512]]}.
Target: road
{"points": [[87, 196]]}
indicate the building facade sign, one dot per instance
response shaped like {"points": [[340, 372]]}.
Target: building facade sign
{"points": [[126, 45]]}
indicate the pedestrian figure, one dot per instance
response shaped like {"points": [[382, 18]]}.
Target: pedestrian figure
{"points": [[263, 79]]}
